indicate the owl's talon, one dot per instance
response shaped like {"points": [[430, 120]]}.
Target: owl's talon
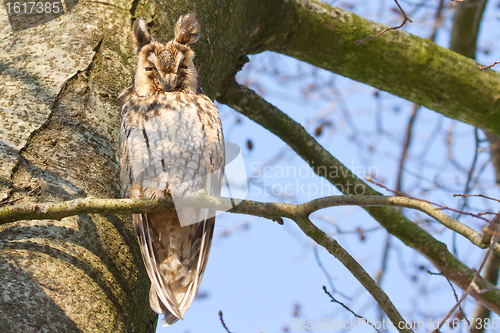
{"points": [[163, 199], [159, 195]]}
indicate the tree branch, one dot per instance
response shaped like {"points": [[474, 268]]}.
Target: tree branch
{"points": [[252, 105], [400, 63], [298, 213], [270, 210], [356, 269]]}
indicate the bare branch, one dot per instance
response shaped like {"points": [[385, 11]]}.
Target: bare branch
{"points": [[489, 66], [406, 18], [406, 145], [334, 300], [271, 210], [223, 323], [11, 201], [429, 202], [475, 195], [481, 312], [472, 285], [334, 248]]}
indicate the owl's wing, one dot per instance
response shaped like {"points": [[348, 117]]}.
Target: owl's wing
{"points": [[169, 147], [215, 138], [146, 237], [126, 94]]}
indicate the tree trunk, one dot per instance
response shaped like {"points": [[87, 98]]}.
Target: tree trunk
{"points": [[60, 122]]}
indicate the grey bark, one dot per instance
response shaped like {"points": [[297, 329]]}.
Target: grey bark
{"points": [[60, 123]]}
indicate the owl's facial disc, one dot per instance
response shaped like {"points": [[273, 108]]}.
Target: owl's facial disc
{"points": [[165, 68], [167, 63]]}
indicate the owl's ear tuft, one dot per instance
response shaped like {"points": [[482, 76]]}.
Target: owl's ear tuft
{"points": [[187, 30], [141, 34]]}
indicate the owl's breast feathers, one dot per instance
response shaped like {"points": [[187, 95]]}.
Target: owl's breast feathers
{"points": [[169, 139], [171, 143]]}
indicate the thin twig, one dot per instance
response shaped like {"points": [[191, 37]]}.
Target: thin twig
{"points": [[437, 20], [477, 195], [323, 269], [489, 66], [449, 282], [223, 323], [406, 18], [383, 270], [467, 189], [486, 213], [406, 145], [385, 258], [429, 202], [327, 275], [6, 202], [334, 300], [470, 174]]}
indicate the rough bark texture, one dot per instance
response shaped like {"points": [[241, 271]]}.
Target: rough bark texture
{"points": [[60, 123]]}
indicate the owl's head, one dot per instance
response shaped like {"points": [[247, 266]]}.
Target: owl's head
{"points": [[166, 68]]}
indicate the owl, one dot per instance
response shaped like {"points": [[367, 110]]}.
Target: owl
{"points": [[171, 142]]}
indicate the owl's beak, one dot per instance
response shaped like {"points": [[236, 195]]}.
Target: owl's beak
{"points": [[167, 81]]}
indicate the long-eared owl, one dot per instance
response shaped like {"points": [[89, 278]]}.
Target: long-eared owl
{"points": [[170, 142]]}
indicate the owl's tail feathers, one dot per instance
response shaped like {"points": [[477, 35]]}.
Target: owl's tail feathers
{"points": [[159, 308], [163, 302], [169, 319]]}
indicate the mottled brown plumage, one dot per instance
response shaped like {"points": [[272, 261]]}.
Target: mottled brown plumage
{"points": [[170, 142]]}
